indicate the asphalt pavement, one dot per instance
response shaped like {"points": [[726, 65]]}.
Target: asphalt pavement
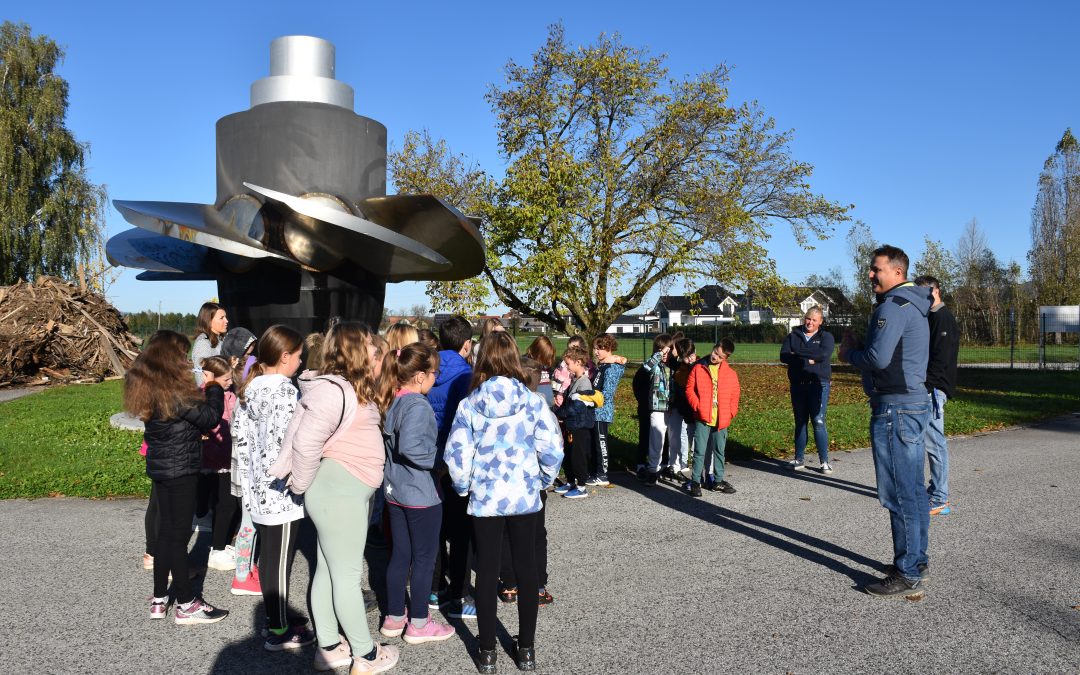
{"points": [[645, 579]]}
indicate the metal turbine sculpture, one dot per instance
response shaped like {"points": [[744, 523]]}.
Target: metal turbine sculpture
{"points": [[302, 229]]}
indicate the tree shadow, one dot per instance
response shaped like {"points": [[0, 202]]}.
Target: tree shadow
{"points": [[808, 547]]}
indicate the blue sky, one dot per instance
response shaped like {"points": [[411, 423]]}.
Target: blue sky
{"points": [[923, 115]]}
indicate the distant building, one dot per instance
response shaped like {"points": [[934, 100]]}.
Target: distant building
{"points": [[629, 324], [715, 304]]}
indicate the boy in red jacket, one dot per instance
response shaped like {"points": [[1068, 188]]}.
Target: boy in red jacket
{"points": [[713, 392]]}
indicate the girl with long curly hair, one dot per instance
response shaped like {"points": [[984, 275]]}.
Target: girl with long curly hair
{"points": [[158, 389], [333, 455]]}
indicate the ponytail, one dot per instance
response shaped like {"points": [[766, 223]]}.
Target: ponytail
{"points": [[399, 366], [275, 341]]}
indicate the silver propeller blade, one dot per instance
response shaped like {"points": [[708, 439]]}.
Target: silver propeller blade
{"points": [[141, 249], [350, 222], [195, 223]]}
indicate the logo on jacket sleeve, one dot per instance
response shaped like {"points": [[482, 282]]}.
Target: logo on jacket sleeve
{"points": [[880, 323]]}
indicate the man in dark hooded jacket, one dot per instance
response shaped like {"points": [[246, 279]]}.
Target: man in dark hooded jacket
{"points": [[893, 364]]}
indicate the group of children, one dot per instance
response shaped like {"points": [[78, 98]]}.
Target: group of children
{"points": [[456, 447]]}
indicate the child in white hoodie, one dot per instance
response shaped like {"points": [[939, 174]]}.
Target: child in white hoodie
{"points": [[266, 402]]}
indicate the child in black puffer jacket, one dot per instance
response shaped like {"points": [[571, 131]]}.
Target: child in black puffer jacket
{"points": [[158, 389]]}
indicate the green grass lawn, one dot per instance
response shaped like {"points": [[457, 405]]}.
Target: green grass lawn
{"points": [[59, 442]]}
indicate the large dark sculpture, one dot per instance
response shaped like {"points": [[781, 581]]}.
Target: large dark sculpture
{"points": [[302, 229]]}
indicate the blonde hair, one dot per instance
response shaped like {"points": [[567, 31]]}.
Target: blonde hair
{"points": [[313, 345], [401, 334], [345, 354]]}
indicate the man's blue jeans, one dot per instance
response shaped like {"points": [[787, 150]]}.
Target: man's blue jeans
{"points": [[809, 403], [896, 436], [937, 450]]}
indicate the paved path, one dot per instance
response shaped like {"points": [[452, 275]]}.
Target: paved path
{"points": [[9, 394], [646, 580]]}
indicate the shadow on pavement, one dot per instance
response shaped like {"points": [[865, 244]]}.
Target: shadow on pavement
{"points": [[780, 468], [824, 553]]}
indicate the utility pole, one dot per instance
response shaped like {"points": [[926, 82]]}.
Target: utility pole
{"points": [[159, 315]]}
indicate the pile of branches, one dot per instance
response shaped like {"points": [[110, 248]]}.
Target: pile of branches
{"points": [[54, 332]]}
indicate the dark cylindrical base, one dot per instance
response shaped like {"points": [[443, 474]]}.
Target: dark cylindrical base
{"points": [[304, 301]]}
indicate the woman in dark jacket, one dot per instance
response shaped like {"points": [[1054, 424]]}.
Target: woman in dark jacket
{"points": [[158, 389], [807, 351]]}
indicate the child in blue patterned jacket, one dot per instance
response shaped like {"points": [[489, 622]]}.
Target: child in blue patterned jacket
{"points": [[504, 448]]}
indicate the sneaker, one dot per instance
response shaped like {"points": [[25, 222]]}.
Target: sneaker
{"points": [[545, 597], [826, 468], [940, 509], [598, 481], [437, 600], [795, 465], [693, 488], [297, 622], [224, 560], [392, 627], [667, 473], [724, 487], [896, 586], [508, 594], [464, 608], [708, 483], [433, 631], [294, 637], [147, 561], [647, 477], [579, 492], [329, 659], [249, 586], [159, 608], [486, 661], [198, 611], [524, 657], [386, 657], [924, 572], [563, 489]]}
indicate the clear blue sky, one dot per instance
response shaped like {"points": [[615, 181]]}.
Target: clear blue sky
{"points": [[923, 115]]}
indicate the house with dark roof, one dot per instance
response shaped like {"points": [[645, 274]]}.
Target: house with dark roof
{"points": [[715, 304], [629, 324], [706, 306]]}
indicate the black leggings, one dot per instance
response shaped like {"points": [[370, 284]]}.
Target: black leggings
{"points": [[488, 534], [506, 573], [599, 454], [150, 521], [176, 504], [226, 508], [277, 548], [456, 533]]}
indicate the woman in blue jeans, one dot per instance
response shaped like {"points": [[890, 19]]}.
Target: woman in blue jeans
{"points": [[807, 351]]}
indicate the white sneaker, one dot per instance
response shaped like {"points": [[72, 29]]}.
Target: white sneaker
{"points": [[796, 465], [224, 560], [826, 468]]}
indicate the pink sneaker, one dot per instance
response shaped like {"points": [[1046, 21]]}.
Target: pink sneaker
{"points": [[433, 631], [249, 586], [391, 628], [386, 657]]}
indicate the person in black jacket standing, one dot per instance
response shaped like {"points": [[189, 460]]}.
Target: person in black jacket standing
{"points": [[807, 351], [159, 390], [941, 383]]}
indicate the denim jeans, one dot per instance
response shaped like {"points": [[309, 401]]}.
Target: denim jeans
{"points": [[937, 451], [896, 436], [809, 402]]}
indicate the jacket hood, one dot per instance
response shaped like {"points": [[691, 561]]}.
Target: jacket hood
{"points": [[310, 378], [263, 387], [918, 296], [502, 397], [451, 365], [236, 341]]}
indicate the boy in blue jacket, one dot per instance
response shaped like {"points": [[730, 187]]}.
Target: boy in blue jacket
{"points": [[450, 388]]}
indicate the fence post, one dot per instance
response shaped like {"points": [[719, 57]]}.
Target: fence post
{"points": [[1042, 340], [1012, 337]]}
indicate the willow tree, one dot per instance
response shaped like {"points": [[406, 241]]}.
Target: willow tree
{"points": [[619, 178], [51, 215], [1055, 226]]}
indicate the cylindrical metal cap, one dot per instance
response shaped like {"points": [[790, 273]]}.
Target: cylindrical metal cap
{"points": [[301, 69]]}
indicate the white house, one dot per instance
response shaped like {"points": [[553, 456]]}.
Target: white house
{"points": [[629, 324], [706, 306]]}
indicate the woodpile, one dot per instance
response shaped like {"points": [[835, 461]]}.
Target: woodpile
{"points": [[53, 332]]}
